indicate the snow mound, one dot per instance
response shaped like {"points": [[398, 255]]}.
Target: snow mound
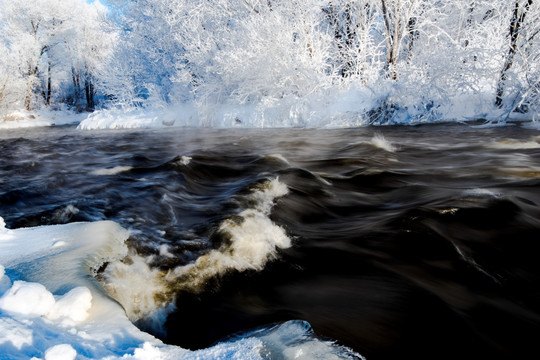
{"points": [[139, 118], [30, 299], [61, 352]]}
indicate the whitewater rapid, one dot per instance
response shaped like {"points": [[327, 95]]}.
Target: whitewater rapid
{"points": [[57, 291], [51, 305]]}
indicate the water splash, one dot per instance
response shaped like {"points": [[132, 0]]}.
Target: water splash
{"points": [[252, 241], [379, 141]]}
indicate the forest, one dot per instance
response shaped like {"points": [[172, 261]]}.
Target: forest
{"points": [[378, 61]]}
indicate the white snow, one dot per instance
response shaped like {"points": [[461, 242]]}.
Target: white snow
{"points": [[61, 352], [73, 306], [135, 118], [335, 107], [29, 299], [44, 117], [52, 308]]}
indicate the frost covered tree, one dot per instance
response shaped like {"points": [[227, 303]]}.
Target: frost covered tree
{"points": [[450, 58], [240, 51], [147, 53], [12, 85], [87, 51], [49, 40], [399, 21], [520, 41], [357, 38], [34, 29], [413, 57]]}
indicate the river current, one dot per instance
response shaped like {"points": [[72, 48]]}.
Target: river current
{"points": [[398, 242]]}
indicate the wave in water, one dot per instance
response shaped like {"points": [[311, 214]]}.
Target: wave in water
{"points": [[251, 240]]}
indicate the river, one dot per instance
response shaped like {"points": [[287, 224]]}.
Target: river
{"points": [[398, 242]]}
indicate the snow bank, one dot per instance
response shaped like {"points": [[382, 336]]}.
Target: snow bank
{"points": [[338, 107], [30, 299], [44, 117], [52, 298], [332, 108], [351, 106], [138, 118], [52, 308]]}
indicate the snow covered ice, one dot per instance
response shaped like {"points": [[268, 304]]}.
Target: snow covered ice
{"points": [[52, 308]]}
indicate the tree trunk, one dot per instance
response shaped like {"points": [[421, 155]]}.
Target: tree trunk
{"points": [[32, 72], [89, 90], [76, 86], [517, 20], [413, 35], [48, 96], [333, 17], [398, 20], [391, 27], [2, 91], [388, 38]]}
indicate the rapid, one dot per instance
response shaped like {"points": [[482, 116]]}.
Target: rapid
{"points": [[393, 241]]}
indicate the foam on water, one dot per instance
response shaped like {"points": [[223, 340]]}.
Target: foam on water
{"points": [[515, 144], [184, 160], [111, 171], [291, 340], [479, 192], [252, 240], [123, 279], [379, 141]]}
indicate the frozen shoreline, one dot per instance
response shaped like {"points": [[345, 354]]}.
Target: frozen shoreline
{"points": [[343, 108], [52, 309], [26, 119]]}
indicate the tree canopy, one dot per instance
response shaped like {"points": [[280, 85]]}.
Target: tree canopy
{"points": [[414, 54]]}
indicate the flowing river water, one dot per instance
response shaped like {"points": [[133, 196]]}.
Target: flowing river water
{"points": [[398, 242]]}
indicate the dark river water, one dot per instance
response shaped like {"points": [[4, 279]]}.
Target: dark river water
{"points": [[398, 242]]}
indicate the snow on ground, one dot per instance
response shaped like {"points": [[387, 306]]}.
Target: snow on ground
{"points": [[337, 108], [22, 118], [139, 118], [52, 308], [331, 108]]}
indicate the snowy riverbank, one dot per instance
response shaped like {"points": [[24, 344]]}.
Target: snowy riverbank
{"points": [[342, 108], [52, 308], [23, 119]]}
